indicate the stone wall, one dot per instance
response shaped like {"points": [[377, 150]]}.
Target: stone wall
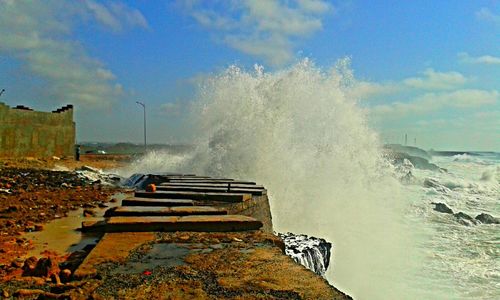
{"points": [[28, 133], [257, 208]]}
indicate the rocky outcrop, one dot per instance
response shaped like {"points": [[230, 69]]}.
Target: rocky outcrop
{"points": [[442, 208], [487, 219], [465, 219], [311, 252]]}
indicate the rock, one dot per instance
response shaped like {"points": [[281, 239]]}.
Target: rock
{"points": [[442, 208], [113, 200], [88, 213], [311, 252], [465, 219], [25, 293], [487, 219], [29, 266], [102, 205], [45, 267], [38, 227], [17, 263], [65, 275], [5, 294]]}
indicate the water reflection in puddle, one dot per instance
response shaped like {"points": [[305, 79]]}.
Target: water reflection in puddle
{"points": [[61, 235]]}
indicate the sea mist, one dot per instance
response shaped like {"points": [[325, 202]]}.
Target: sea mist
{"points": [[298, 133]]}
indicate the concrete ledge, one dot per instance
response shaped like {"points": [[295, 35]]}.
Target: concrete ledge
{"points": [[211, 180], [198, 184], [137, 201], [227, 189], [166, 211], [222, 223], [223, 197]]}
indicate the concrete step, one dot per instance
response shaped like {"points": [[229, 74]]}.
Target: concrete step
{"points": [[164, 211], [223, 197], [221, 223], [138, 201], [243, 186], [210, 189], [210, 180]]}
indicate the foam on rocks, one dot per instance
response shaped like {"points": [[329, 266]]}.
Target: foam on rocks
{"points": [[311, 252]]}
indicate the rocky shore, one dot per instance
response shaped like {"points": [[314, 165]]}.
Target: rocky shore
{"points": [[29, 198], [240, 265]]}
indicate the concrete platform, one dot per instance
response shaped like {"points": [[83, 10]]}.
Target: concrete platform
{"points": [[165, 211], [245, 186], [138, 201], [226, 189], [221, 223], [222, 197], [211, 180]]}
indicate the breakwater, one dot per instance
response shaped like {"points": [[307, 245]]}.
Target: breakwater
{"points": [[201, 237]]}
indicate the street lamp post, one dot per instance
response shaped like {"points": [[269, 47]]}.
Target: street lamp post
{"points": [[144, 107]]}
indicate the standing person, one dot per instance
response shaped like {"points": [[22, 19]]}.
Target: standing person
{"points": [[77, 152]]}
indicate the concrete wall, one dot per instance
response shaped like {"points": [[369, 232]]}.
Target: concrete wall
{"points": [[28, 133]]}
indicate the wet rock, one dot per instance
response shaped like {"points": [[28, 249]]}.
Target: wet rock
{"points": [[17, 263], [487, 219], [88, 213], [465, 219], [29, 266], [311, 252], [65, 275], [442, 208]]}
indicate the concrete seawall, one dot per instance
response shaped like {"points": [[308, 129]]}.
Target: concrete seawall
{"points": [[28, 133], [196, 244]]}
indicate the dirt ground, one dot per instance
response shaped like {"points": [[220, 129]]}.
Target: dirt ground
{"points": [[100, 161], [32, 195]]}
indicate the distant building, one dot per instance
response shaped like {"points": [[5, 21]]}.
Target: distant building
{"points": [[28, 133]]}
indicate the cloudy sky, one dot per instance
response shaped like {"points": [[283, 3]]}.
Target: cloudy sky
{"points": [[427, 68]]}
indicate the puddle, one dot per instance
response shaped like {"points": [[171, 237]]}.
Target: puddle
{"points": [[61, 235], [162, 254]]}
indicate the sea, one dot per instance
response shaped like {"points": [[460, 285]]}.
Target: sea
{"points": [[301, 133]]}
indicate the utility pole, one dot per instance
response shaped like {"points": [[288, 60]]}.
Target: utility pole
{"points": [[144, 108]]}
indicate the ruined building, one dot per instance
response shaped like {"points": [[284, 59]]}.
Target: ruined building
{"points": [[28, 133]]}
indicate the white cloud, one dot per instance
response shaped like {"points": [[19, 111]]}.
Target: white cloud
{"points": [[39, 34], [366, 89], [266, 29], [485, 59], [432, 80], [171, 109], [116, 15], [431, 102], [485, 14]]}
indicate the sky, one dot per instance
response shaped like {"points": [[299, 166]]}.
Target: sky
{"points": [[430, 69]]}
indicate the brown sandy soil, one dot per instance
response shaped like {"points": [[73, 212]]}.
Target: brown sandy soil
{"points": [[100, 161], [31, 197]]}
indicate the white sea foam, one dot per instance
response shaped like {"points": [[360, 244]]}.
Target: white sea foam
{"points": [[297, 132]]}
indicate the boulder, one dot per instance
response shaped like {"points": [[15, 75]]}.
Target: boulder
{"points": [[487, 219], [442, 208], [465, 219]]}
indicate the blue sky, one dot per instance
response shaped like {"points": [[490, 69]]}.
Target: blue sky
{"points": [[427, 68]]}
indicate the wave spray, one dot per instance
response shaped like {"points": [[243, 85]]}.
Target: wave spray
{"points": [[298, 133]]}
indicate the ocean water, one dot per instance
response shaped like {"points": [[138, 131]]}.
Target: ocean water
{"points": [[298, 132], [460, 261]]}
